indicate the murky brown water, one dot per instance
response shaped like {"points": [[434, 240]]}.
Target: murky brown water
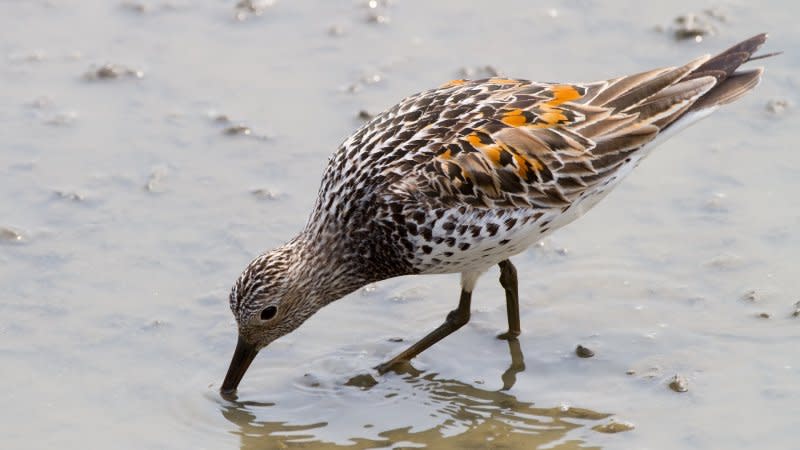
{"points": [[132, 195]]}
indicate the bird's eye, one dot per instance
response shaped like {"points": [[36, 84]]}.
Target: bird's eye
{"points": [[269, 312]]}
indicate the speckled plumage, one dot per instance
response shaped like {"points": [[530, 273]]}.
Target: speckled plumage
{"points": [[463, 176], [459, 178]]}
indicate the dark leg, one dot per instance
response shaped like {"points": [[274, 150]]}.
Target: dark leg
{"points": [[508, 279], [455, 320]]}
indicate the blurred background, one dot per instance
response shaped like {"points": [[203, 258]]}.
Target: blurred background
{"points": [[151, 148]]}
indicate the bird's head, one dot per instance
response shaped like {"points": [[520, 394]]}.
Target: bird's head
{"points": [[268, 302]]}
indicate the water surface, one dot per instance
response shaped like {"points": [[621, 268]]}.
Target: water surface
{"points": [[131, 198]]}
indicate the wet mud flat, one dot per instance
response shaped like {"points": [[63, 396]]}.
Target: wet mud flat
{"points": [[152, 148]]}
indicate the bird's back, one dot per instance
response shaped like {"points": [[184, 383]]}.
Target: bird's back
{"points": [[475, 171]]}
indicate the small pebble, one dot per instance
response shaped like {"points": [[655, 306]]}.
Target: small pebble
{"points": [[112, 71], [764, 315], [396, 339], [679, 384], [583, 352], [9, 235], [630, 372], [365, 115], [691, 26], [235, 130]]}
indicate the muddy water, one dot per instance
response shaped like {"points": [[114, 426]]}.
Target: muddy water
{"points": [[132, 195]]}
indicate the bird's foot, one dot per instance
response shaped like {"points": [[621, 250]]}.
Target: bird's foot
{"points": [[508, 335], [387, 366], [400, 366]]}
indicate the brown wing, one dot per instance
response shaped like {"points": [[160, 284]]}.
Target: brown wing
{"points": [[543, 145]]}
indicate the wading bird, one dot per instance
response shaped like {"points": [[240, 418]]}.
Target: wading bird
{"points": [[462, 177]]}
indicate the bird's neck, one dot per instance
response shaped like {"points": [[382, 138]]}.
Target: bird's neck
{"points": [[323, 270]]}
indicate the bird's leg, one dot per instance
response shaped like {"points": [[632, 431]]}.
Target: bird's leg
{"points": [[456, 319], [508, 279]]}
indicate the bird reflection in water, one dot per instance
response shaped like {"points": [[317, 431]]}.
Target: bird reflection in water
{"points": [[464, 416]]}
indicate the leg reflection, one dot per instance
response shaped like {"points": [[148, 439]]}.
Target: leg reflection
{"points": [[509, 377]]}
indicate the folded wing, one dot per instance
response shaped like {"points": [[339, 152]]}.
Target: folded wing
{"points": [[525, 144]]}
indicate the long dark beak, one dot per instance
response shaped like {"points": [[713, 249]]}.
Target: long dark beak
{"points": [[242, 357]]}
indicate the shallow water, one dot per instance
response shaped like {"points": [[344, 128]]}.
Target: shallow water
{"points": [[128, 206]]}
